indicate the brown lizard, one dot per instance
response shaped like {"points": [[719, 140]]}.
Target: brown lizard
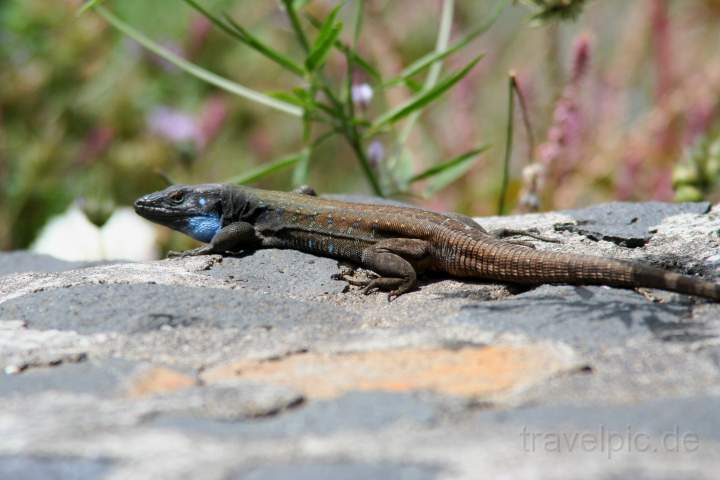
{"points": [[395, 242]]}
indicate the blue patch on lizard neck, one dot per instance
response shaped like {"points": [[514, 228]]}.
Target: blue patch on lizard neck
{"points": [[202, 227]]}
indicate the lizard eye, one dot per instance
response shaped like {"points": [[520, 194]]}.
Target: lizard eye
{"points": [[177, 197]]}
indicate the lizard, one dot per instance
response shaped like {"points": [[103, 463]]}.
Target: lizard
{"points": [[395, 242]]}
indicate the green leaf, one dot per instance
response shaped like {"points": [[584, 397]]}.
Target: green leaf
{"points": [[245, 36], [300, 100], [298, 4], [319, 54], [445, 173], [426, 60], [239, 33], [414, 86], [329, 33], [265, 170], [196, 70], [423, 98], [357, 59]]}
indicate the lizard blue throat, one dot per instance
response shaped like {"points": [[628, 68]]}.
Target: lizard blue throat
{"points": [[202, 227]]}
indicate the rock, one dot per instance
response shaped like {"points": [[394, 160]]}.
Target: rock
{"points": [[137, 308], [19, 467], [585, 317], [345, 470], [84, 377], [19, 262], [475, 372], [263, 366], [626, 224]]}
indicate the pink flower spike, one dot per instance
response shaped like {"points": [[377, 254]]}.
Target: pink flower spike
{"points": [[581, 58]]}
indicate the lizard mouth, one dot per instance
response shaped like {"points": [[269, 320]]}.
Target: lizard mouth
{"points": [[157, 212]]}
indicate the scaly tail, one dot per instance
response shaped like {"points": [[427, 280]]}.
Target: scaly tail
{"points": [[518, 264]]}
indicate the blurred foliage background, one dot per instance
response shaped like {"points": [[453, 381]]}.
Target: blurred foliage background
{"points": [[621, 99]]}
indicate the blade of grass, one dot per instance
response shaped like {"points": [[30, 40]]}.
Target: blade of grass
{"points": [[265, 170], [196, 70], [465, 159], [423, 98]]}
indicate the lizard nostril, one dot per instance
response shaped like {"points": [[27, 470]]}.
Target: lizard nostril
{"points": [[139, 203]]}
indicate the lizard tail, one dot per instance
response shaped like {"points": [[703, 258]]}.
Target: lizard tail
{"points": [[522, 265], [645, 276]]}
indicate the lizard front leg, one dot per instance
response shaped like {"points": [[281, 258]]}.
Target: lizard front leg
{"points": [[231, 238], [394, 260]]}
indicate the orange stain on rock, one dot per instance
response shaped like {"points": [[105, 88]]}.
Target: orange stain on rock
{"points": [[159, 380], [465, 372]]}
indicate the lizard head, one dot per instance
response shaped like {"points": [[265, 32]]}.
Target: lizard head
{"points": [[195, 210]]}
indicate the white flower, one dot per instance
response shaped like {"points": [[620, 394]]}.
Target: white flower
{"points": [[362, 94], [71, 236]]}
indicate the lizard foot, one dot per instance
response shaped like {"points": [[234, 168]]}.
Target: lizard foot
{"points": [[387, 283], [204, 250], [349, 274], [521, 243], [532, 233]]}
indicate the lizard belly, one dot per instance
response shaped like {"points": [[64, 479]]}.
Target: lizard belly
{"points": [[318, 244]]}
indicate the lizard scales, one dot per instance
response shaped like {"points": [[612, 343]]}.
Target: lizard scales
{"points": [[396, 242]]}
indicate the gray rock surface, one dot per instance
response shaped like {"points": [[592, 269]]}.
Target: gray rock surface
{"points": [[263, 367], [627, 224]]}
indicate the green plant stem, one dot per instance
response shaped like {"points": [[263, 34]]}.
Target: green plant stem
{"points": [[356, 144], [434, 73], [348, 57], [295, 22], [195, 70], [508, 143], [525, 118]]}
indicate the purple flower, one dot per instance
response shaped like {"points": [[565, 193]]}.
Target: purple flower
{"points": [[174, 125], [376, 153]]}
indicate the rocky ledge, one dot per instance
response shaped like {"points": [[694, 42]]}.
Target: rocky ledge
{"points": [[263, 367]]}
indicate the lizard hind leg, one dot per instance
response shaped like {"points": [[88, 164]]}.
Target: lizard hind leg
{"points": [[394, 259], [503, 233]]}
